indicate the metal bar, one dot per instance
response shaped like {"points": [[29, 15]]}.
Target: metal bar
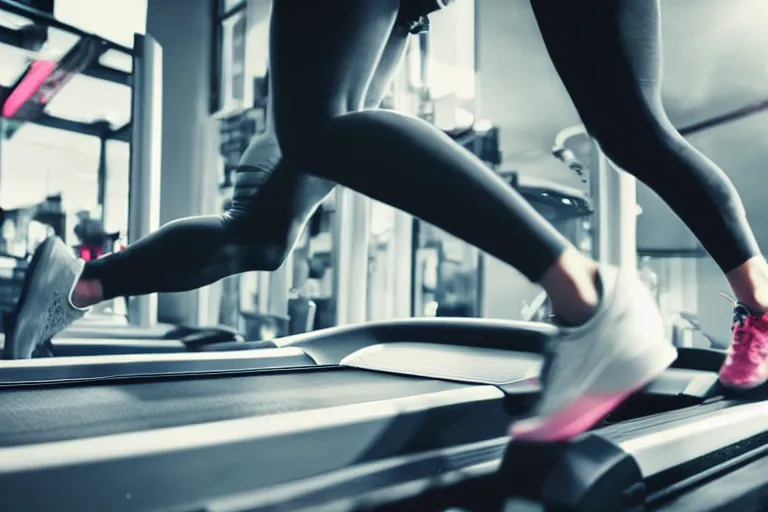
{"points": [[123, 133], [102, 176], [107, 74], [68, 125], [402, 245], [145, 166], [350, 252], [619, 198], [46, 19], [90, 129], [214, 101], [728, 117]]}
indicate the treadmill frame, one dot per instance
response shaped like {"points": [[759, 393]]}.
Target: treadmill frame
{"points": [[172, 467]]}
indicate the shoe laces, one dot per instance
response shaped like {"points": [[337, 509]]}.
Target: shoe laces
{"points": [[749, 344]]}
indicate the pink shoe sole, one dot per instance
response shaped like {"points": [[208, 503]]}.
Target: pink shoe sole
{"points": [[733, 386], [574, 420]]}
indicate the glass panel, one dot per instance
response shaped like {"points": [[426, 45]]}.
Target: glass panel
{"points": [[39, 162], [117, 60], [83, 98], [76, 102], [115, 21], [233, 80], [13, 61]]}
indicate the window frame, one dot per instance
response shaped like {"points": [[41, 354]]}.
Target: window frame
{"points": [[220, 15]]}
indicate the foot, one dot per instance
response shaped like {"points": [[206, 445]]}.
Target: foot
{"points": [[45, 306], [591, 369], [746, 365]]}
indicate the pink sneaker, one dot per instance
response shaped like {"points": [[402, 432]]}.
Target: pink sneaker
{"points": [[746, 366]]}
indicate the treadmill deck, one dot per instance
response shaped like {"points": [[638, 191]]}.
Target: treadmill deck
{"points": [[55, 413]]}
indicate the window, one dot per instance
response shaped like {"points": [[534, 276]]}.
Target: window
{"points": [[228, 85]]}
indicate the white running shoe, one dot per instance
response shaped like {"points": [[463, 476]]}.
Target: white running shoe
{"points": [[591, 369], [45, 306]]}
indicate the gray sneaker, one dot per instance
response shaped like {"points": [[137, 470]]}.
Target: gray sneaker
{"points": [[45, 306], [591, 369]]}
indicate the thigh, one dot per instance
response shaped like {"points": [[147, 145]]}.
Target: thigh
{"points": [[323, 56], [608, 55]]}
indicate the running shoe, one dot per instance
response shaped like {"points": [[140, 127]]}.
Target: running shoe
{"points": [[746, 364], [591, 369], [45, 306]]}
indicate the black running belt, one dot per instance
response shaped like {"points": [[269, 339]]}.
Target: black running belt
{"points": [[58, 413]]}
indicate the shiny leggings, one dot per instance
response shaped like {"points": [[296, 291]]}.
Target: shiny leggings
{"points": [[329, 64]]}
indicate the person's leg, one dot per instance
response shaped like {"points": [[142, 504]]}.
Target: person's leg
{"points": [[240, 240], [400, 160], [617, 341], [608, 55], [271, 204]]}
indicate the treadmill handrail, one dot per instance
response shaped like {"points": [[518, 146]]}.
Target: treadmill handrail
{"points": [[689, 438]]}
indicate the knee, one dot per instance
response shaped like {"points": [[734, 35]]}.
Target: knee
{"points": [[254, 245], [631, 140]]}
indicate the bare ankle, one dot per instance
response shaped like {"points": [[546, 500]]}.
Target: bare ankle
{"points": [[571, 284], [749, 283], [86, 293]]}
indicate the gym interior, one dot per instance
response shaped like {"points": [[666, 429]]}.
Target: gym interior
{"points": [[378, 367]]}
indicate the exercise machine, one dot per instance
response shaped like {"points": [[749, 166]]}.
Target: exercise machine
{"points": [[330, 416]]}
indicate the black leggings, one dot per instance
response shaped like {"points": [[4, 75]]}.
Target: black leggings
{"points": [[331, 60]]}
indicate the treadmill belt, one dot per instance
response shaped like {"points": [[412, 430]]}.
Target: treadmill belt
{"points": [[45, 414]]}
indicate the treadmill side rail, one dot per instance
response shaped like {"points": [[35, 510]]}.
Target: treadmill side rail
{"points": [[87, 368], [175, 467], [699, 436], [331, 346], [619, 466]]}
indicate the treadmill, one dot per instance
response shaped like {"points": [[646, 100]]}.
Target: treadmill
{"points": [[324, 419], [90, 339]]}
